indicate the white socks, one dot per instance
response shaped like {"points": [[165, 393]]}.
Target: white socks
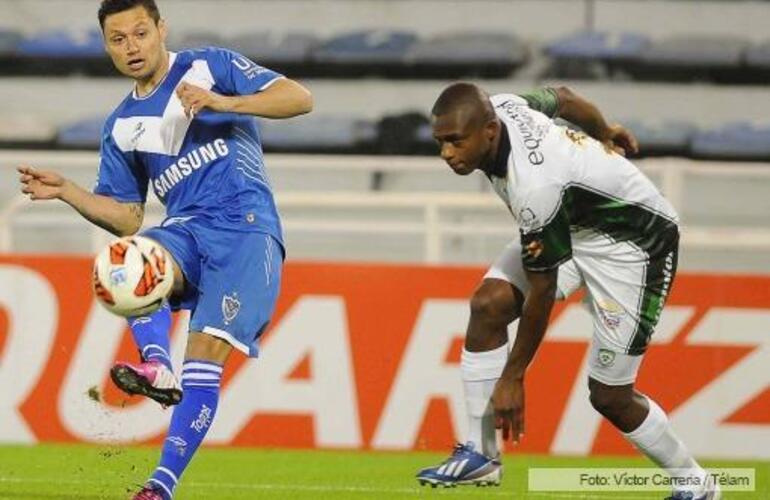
{"points": [[480, 372], [656, 439]]}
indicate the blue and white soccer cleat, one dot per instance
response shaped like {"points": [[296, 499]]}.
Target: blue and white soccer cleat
{"points": [[713, 492], [465, 466]]}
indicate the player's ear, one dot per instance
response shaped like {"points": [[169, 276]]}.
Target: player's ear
{"points": [[491, 129], [162, 29]]}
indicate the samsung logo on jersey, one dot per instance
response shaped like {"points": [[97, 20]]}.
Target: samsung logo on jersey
{"points": [[189, 163], [530, 134]]}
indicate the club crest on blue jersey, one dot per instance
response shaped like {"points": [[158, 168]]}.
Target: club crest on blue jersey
{"points": [[231, 306]]}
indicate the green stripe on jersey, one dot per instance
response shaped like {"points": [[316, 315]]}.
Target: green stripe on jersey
{"points": [[545, 100], [620, 220], [583, 208]]}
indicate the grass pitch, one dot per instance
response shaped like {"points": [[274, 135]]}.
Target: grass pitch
{"points": [[89, 472]]}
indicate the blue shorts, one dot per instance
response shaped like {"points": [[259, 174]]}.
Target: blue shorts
{"points": [[232, 278]]}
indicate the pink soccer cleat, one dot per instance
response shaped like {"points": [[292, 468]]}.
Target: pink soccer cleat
{"points": [[151, 379], [148, 493]]}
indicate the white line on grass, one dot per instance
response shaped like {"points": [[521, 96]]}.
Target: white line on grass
{"points": [[467, 490]]}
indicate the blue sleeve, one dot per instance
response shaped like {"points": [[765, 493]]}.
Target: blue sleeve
{"points": [[236, 74], [119, 177]]}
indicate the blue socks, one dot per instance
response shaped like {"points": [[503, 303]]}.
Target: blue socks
{"points": [[151, 335], [189, 423]]}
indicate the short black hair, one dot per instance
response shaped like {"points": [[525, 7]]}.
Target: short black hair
{"points": [[109, 7], [467, 96]]}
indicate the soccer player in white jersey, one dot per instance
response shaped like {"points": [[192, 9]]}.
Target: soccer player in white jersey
{"points": [[187, 130], [587, 218]]}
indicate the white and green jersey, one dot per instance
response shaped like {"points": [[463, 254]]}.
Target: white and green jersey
{"points": [[568, 193], [579, 204]]}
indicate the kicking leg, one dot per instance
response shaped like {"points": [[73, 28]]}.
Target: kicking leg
{"points": [[154, 376]]}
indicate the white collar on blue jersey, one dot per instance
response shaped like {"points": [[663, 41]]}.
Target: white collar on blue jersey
{"points": [[171, 59]]}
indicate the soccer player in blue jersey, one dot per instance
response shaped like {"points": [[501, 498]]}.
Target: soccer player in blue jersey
{"points": [[187, 131]]}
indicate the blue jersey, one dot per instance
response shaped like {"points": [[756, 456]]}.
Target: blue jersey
{"points": [[209, 166]]}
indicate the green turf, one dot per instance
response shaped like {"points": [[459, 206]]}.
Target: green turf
{"points": [[87, 472]]}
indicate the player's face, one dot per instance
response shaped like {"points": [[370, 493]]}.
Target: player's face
{"points": [[464, 145], [135, 42]]}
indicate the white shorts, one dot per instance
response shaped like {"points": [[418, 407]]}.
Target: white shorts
{"points": [[625, 295]]}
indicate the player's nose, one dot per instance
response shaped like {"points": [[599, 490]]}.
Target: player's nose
{"points": [[447, 153]]}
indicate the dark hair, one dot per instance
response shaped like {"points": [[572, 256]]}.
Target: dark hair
{"points": [[464, 95], [109, 7]]}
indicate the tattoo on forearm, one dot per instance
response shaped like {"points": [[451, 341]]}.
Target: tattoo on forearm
{"points": [[137, 211]]}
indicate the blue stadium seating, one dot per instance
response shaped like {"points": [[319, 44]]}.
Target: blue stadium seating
{"points": [[680, 58], [468, 53], [593, 54], [740, 141], [596, 45], [380, 52], [264, 48], [319, 133], [667, 138], [83, 134], [63, 44]]}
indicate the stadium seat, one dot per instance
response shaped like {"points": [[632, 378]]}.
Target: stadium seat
{"points": [[758, 56], [63, 44], [667, 138], [9, 41], [25, 129], [716, 58], [470, 53], [608, 51], [598, 45], [739, 141], [397, 134], [266, 48], [353, 54], [84, 134], [319, 133]]}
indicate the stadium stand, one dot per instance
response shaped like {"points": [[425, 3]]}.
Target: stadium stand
{"points": [[685, 58], [740, 140], [320, 133], [670, 138], [83, 134], [379, 52], [622, 53], [288, 52], [587, 53], [481, 54]]}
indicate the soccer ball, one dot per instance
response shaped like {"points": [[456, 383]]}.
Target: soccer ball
{"points": [[132, 276]]}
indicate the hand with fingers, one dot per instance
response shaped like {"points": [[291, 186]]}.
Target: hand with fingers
{"points": [[194, 99], [40, 185], [508, 403], [620, 140]]}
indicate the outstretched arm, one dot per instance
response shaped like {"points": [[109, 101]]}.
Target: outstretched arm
{"points": [[564, 103], [585, 115], [283, 99], [121, 219]]}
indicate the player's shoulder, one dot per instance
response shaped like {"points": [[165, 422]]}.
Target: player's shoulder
{"points": [[501, 101]]}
